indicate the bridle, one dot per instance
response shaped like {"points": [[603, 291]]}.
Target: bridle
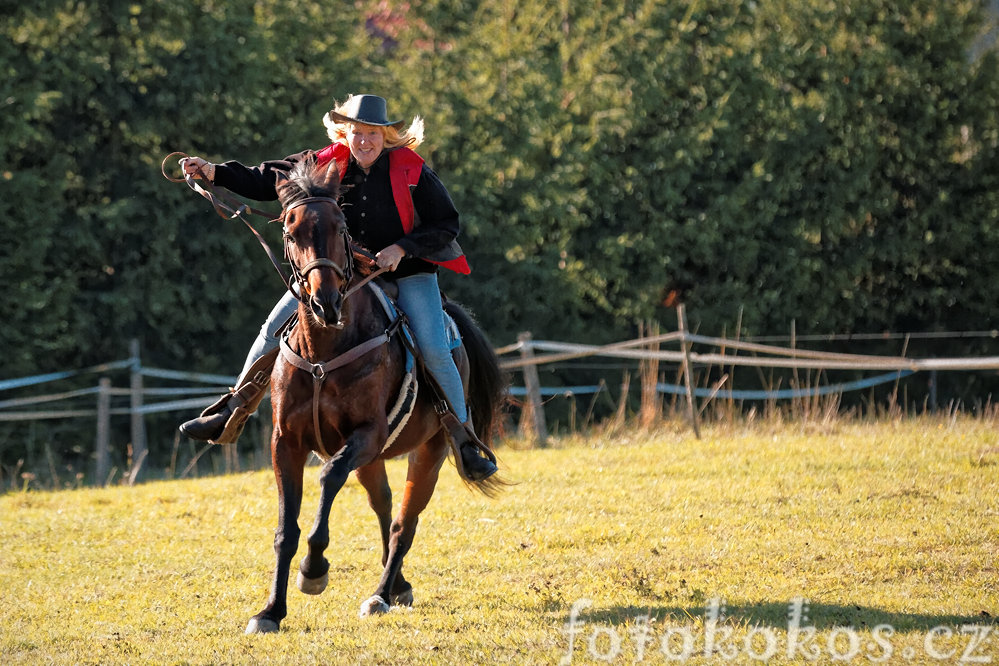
{"points": [[229, 208], [299, 275]]}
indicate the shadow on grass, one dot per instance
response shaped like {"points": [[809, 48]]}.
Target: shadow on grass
{"points": [[779, 615]]}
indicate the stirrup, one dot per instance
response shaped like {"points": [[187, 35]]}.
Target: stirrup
{"points": [[461, 435], [211, 419], [464, 434]]}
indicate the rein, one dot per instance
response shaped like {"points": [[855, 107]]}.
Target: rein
{"points": [[369, 277], [228, 208]]}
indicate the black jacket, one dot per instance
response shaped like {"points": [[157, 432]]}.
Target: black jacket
{"points": [[368, 205]]}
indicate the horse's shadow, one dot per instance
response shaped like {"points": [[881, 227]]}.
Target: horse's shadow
{"points": [[781, 615]]}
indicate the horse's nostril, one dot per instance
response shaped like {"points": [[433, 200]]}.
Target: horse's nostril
{"points": [[327, 310]]}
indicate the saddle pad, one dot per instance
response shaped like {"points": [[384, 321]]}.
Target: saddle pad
{"points": [[399, 416], [453, 334], [393, 313]]}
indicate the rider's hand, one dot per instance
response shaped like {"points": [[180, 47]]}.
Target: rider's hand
{"points": [[390, 257], [197, 167]]}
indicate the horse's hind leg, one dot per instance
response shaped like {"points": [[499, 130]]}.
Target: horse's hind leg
{"points": [[374, 479], [421, 479]]}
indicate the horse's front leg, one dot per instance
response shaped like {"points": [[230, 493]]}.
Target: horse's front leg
{"points": [[289, 464], [360, 448]]}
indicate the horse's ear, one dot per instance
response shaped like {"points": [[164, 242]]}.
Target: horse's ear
{"points": [[331, 178], [281, 182]]}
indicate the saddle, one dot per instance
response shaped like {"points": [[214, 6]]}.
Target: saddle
{"points": [[387, 293], [414, 371]]}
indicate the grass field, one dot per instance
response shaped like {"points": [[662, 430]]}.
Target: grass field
{"points": [[851, 542]]}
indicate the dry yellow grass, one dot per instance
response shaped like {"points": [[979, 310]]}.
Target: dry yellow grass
{"points": [[667, 546]]}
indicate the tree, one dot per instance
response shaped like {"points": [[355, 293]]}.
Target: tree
{"points": [[831, 164]]}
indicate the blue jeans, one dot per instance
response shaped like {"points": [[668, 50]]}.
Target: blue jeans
{"points": [[420, 299], [267, 339]]}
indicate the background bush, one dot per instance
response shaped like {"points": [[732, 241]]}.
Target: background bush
{"points": [[830, 164]]}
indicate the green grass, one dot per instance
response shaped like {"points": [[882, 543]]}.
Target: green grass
{"points": [[891, 524]]}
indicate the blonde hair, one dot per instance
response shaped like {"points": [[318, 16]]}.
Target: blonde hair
{"points": [[411, 137]]}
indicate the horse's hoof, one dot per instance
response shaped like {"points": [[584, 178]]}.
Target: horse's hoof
{"points": [[403, 598], [313, 585], [261, 626], [374, 606]]}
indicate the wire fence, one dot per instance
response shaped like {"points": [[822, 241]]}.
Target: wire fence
{"points": [[527, 355], [686, 350]]}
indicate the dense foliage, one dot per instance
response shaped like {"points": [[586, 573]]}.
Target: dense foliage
{"points": [[827, 163]]}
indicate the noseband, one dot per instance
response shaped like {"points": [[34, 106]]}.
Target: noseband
{"points": [[299, 275]]}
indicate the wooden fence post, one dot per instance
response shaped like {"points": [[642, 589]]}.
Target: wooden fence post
{"points": [[681, 316], [534, 411], [262, 457], [139, 450], [103, 431], [650, 411], [933, 392]]}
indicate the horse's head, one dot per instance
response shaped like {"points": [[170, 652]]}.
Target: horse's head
{"points": [[316, 242]]}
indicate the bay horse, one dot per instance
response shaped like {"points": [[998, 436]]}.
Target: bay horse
{"points": [[332, 388]]}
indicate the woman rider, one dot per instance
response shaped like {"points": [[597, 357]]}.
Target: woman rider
{"points": [[396, 206]]}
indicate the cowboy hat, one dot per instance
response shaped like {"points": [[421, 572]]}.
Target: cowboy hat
{"points": [[363, 109]]}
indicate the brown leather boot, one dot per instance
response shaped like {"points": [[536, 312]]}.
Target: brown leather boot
{"points": [[223, 421], [211, 423]]}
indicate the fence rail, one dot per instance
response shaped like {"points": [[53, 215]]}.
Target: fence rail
{"points": [[523, 357]]}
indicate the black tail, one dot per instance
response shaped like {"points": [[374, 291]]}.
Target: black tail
{"points": [[487, 383]]}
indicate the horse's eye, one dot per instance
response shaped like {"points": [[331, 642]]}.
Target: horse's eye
{"points": [[289, 238]]}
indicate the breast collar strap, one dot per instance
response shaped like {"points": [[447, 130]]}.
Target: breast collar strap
{"points": [[319, 371]]}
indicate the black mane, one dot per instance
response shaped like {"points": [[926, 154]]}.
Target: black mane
{"points": [[308, 179]]}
